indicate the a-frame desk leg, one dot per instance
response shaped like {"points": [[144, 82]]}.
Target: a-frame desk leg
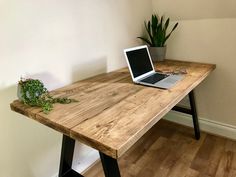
{"points": [[194, 115], [67, 152], [192, 111], [110, 165]]}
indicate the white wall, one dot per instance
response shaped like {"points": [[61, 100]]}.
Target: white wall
{"points": [[206, 33], [58, 42], [195, 9]]}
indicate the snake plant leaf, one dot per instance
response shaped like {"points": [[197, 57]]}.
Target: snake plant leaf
{"points": [[163, 35], [167, 23], [164, 32], [171, 31], [161, 23], [156, 29], [154, 24], [154, 20], [146, 40], [148, 29], [159, 35]]}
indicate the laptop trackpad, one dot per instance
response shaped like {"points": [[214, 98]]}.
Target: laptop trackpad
{"points": [[169, 81]]}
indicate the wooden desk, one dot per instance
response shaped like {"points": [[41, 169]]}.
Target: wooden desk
{"points": [[113, 113]]}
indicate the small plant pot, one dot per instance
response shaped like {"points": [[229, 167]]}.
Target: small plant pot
{"points": [[28, 96], [157, 53], [19, 94]]}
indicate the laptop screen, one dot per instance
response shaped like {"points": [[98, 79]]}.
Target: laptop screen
{"points": [[139, 61]]}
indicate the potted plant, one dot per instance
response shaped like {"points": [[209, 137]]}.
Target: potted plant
{"points": [[33, 93], [157, 36]]}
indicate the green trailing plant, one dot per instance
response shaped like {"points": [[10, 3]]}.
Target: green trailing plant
{"points": [[156, 29], [33, 93]]}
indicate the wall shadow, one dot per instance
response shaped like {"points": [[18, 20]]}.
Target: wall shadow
{"points": [[27, 141], [89, 69]]}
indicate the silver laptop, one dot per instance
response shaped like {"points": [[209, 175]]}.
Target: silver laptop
{"points": [[142, 70]]}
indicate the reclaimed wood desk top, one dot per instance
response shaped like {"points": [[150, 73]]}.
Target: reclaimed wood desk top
{"points": [[112, 112]]}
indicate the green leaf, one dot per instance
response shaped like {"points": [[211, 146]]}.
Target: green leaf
{"points": [[171, 32], [161, 23], [148, 29], [156, 29], [146, 40], [33, 93], [167, 23], [154, 24]]}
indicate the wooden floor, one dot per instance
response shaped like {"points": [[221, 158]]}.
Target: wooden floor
{"points": [[170, 150]]}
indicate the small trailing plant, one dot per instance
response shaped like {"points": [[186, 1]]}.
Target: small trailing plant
{"points": [[33, 93], [156, 29]]}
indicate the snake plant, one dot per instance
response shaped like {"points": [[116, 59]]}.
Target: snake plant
{"points": [[157, 31]]}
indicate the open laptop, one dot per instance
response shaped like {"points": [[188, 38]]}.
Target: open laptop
{"points": [[142, 70]]}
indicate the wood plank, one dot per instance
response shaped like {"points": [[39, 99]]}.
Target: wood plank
{"points": [[209, 155], [215, 157], [225, 165], [112, 112], [232, 172], [192, 173], [63, 117], [160, 157], [89, 105], [139, 115]]}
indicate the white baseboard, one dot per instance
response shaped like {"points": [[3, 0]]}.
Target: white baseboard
{"points": [[206, 125], [84, 157]]}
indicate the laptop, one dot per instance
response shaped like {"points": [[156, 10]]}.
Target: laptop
{"points": [[142, 70]]}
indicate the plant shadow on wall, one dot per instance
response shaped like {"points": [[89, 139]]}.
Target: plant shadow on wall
{"points": [[156, 36], [31, 147], [34, 93]]}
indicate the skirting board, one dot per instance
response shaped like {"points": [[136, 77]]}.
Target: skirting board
{"points": [[206, 125]]}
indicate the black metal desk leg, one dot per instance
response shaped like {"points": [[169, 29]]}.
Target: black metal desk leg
{"points": [[194, 115], [67, 152], [110, 166]]}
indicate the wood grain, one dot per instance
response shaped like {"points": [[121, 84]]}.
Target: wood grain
{"points": [[168, 150], [112, 112]]}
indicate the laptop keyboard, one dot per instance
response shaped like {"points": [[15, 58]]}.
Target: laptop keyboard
{"points": [[154, 78]]}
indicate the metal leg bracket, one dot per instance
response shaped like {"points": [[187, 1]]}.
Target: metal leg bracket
{"points": [[192, 111]]}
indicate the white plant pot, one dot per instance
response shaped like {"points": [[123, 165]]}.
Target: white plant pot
{"points": [[157, 53], [19, 95]]}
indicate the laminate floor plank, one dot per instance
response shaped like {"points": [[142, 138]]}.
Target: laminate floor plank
{"points": [[170, 150], [191, 173]]}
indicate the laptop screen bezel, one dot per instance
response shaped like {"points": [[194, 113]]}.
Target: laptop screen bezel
{"points": [[135, 79]]}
